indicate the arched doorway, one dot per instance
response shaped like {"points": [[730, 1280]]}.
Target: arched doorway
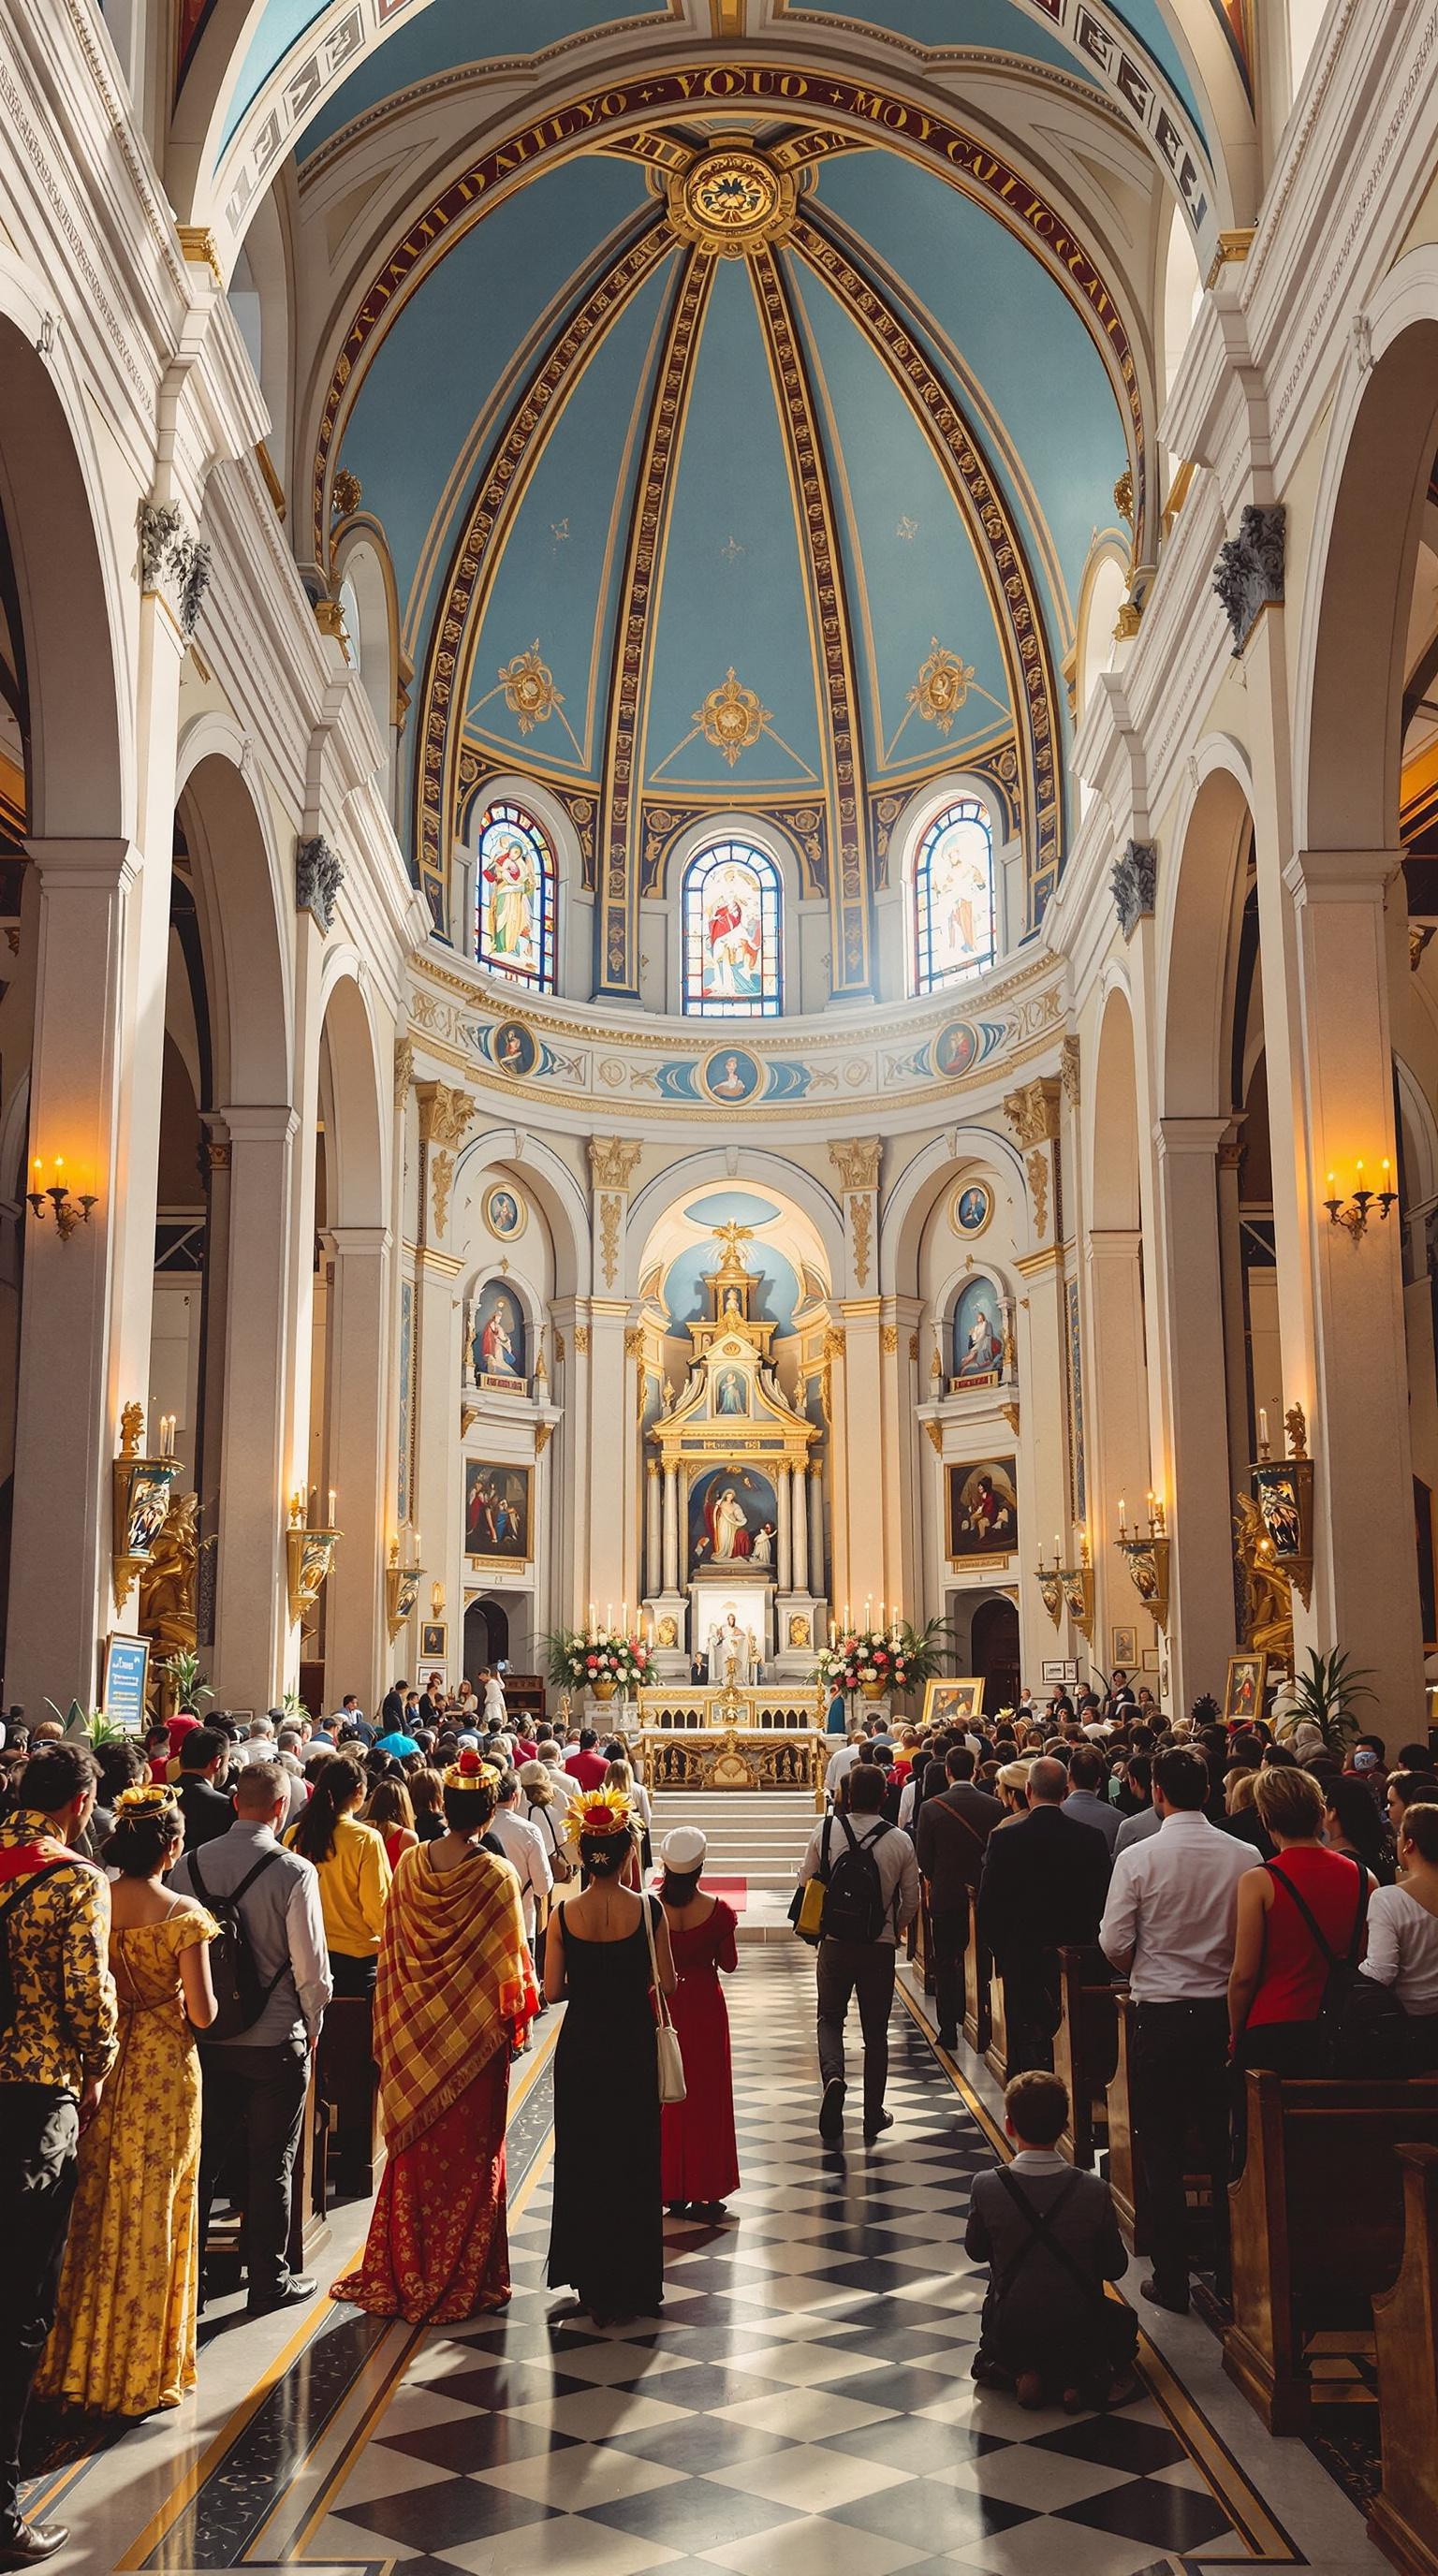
{"points": [[486, 1637], [994, 1653]]}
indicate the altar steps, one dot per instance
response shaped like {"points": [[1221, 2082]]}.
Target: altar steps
{"points": [[756, 1837]]}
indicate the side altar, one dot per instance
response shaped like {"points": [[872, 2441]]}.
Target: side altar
{"points": [[761, 1738], [729, 1483]]}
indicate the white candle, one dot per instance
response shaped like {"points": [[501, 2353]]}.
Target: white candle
{"points": [[332, 1507], [1263, 1426], [1120, 1516]]}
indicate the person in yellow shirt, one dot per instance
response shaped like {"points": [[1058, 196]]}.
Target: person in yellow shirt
{"points": [[354, 1873]]}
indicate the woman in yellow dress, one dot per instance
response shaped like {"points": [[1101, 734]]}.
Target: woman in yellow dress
{"points": [[124, 2338]]}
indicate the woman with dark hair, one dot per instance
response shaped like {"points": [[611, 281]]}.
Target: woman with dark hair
{"points": [[121, 1765], [354, 1872], [1352, 1824], [124, 2337], [426, 1798], [1403, 1937], [452, 1991], [701, 2158], [606, 1947]]}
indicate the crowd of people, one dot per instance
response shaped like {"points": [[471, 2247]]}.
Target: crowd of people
{"points": [[177, 1917], [1268, 1906]]}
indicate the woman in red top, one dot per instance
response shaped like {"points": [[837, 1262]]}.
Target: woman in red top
{"points": [[701, 2157], [390, 1810], [1279, 1969]]}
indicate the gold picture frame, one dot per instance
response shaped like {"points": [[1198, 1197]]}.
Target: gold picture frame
{"points": [[949, 1699], [1243, 1689]]}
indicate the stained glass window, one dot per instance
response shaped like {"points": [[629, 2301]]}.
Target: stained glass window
{"points": [[732, 897], [514, 904], [954, 897]]}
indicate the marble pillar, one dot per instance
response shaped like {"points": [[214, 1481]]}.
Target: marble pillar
{"points": [[356, 1454]]}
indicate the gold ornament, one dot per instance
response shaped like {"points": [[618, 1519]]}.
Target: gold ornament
{"points": [[731, 199], [942, 686], [529, 690], [732, 717]]}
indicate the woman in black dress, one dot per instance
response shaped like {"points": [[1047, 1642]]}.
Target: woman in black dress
{"points": [[608, 2248]]}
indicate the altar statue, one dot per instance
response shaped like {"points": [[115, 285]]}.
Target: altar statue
{"points": [[724, 1518], [732, 1653]]}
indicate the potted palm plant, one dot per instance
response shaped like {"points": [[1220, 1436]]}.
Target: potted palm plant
{"points": [[1324, 1696]]}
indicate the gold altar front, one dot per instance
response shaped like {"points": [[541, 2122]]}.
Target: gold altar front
{"points": [[761, 1738]]}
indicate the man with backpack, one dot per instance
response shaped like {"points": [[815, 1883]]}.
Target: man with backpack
{"points": [[57, 2044], [871, 1895], [270, 1971]]}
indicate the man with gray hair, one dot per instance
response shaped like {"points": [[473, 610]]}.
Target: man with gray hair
{"points": [[257, 2077], [1044, 1881]]}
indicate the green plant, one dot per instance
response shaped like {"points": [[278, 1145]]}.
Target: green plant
{"points": [[293, 1705], [183, 1669], [89, 1725], [1325, 1695]]}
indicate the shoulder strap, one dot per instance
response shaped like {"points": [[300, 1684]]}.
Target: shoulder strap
{"points": [[940, 1806], [1041, 2232], [20, 1888], [1310, 1918]]}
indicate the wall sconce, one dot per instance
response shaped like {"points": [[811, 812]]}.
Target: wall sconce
{"points": [[1283, 1491], [401, 1585], [1147, 1559], [1050, 1580], [1353, 1213], [436, 1601], [309, 1552], [68, 1211], [1077, 1581], [141, 1496]]}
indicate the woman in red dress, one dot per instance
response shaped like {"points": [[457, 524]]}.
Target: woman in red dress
{"points": [[701, 2159]]}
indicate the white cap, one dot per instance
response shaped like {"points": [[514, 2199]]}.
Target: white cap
{"points": [[683, 1850]]}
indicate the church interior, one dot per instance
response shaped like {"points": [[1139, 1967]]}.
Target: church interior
{"points": [[700, 984]]}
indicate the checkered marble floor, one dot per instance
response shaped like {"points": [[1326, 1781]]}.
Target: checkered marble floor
{"points": [[803, 2407]]}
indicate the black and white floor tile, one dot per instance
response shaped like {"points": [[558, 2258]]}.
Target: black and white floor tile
{"points": [[804, 2405]]}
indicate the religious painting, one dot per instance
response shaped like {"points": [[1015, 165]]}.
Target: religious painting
{"points": [[433, 1642], [733, 1518], [732, 1077], [731, 932], [1284, 1491], [971, 1208], [978, 1335], [1243, 1691], [955, 1048], [504, 1212], [512, 1049], [497, 1511], [145, 1504], [1125, 1649], [731, 1391], [983, 1510], [946, 1703], [497, 1338], [514, 878], [954, 897]]}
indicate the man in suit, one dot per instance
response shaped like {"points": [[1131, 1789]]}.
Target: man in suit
{"points": [[207, 1811], [953, 1830], [1085, 1801], [1044, 1882]]}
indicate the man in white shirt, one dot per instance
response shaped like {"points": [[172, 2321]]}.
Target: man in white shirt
{"points": [[842, 1761], [863, 1966], [525, 1852], [566, 1789], [1168, 1926]]}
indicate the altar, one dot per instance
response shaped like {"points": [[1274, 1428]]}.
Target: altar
{"points": [[759, 1738], [731, 1496]]}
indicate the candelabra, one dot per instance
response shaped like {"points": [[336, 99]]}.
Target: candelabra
{"points": [[1352, 1213], [1147, 1559], [68, 1212], [1051, 1580], [141, 1497], [1078, 1589], [401, 1585], [309, 1551]]}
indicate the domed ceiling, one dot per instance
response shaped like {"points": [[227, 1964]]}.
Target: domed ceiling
{"points": [[737, 469]]}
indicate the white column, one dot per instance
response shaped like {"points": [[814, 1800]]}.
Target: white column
{"points": [[1200, 1509], [800, 1532], [654, 1543], [783, 1483], [671, 1528], [257, 1468], [816, 1526], [356, 1457], [1118, 1462]]}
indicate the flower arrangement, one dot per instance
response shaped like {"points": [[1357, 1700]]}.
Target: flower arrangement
{"points": [[876, 1660], [597, 1658]]}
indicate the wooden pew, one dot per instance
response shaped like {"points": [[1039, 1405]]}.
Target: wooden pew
{"points": [[1403, 2518], [1317, 2219], [996, 2055], [1085, 2049], [1125, 2166], [921, 1942], [978, 1985], [309, 2194], [348, 2079]]}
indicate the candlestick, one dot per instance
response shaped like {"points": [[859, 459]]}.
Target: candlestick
{"points": [[332, 1507], [414, 1540], [1263, 1426], [833, 1634], [1120, 1516], [608, 1615], [592, 1622]]}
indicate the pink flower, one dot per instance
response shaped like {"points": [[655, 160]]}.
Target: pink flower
{"points": [[592, 1662]]}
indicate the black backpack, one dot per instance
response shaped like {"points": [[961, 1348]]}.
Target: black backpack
{"points": [[1360, 2023], [240, 1992], [854, 1907]]}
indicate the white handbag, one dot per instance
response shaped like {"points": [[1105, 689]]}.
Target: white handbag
{"points": [[672, 2087]]}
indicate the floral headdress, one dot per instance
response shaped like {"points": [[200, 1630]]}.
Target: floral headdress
{"points": [[148, 1797], [603, 1811], [469, 1772]]}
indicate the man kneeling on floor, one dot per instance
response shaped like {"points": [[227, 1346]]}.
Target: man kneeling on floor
{"points": [[1050, 2238]]}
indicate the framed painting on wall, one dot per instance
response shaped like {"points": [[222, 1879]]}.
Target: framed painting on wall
{"points": [[1125, 1648], [983, 1511], [433, 1641], [1243, 1691], [947, 1700], [497, 1512]]}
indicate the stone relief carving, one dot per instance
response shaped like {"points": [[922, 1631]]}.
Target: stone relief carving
{"points": [[1134, 883], [319, 874], [1249, 571], [1033, 1112], [169, 554], [857, 1162]]}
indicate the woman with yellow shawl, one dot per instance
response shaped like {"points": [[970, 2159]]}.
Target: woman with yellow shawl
{"points": [[453, 1982]]}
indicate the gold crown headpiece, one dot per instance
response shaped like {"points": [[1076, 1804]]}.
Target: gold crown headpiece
{"points": [[147, 1795], [603, 1811], [469, 1772]]}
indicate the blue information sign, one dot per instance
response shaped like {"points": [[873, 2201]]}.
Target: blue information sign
{"points": [[127, 1662]]}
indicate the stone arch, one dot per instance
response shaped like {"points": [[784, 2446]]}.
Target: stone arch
{"points": [[753, 1170], [1113, 1184], [556, 1192], [248, 955], [905, 1214], [71, 588], [352, 1095], [1199, 917], [1372, 490]]}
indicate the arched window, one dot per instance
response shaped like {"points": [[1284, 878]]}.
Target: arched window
{"points": [[954, 897], [732, 895], [515, 899]]}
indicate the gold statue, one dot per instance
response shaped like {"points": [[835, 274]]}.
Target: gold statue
{"points": [[1267, 1597], [167, 1582]]}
